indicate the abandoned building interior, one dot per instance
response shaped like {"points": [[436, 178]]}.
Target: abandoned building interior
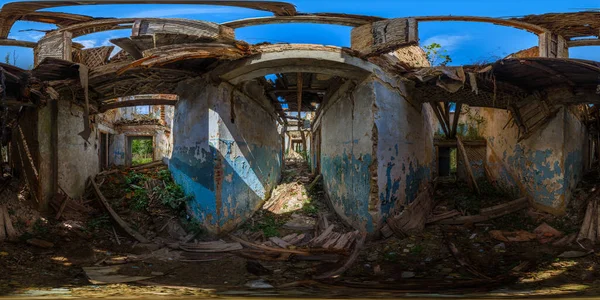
{"points": [[182, 156]]}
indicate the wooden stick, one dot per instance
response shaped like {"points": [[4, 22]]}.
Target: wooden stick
{"points": [[457, 110], [266, 248], [116, 236], [593, 225], [11, 233], [349, 261], [467, 163], [585, 226], [115, 216], [2, 232], [62, 207], [148, 165]]}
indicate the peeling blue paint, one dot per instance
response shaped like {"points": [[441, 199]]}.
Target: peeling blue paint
{"points": [[347, 180]]}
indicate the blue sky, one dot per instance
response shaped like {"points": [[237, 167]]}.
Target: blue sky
{"points": [[465, 42]]}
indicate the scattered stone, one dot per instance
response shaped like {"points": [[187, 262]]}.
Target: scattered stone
{"points": [[157, 273], [407, 274], [500, 247], [259, 284], [40, 243]]}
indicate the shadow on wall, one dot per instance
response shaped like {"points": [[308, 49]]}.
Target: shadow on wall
{"points": [[228, 168]]}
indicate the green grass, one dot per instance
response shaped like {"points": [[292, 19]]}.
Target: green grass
{"points": [[140, 161]]}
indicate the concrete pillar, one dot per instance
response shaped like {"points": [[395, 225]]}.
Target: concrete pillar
{"points": [[228, 165]]}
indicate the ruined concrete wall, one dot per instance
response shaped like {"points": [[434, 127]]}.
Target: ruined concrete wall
{"points": [[405, 151], [376, 152], [77, 159], [575, 149], [546, 166], [347, 155], [227, 161], [125, 122]]}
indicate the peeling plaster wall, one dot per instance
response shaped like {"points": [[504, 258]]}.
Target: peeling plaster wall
{"points": [[77, 159], [347, 155], [405, 150], [546, 166], [227, 156], [376, 152]]}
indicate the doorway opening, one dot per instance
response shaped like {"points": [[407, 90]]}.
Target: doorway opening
{"points": [[103, 153], [447, 161], [141, 149]]}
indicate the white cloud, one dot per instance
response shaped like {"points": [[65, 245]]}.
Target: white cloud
{"points": [[448, 42], [172, 12], [87, 43], [32, 36]]}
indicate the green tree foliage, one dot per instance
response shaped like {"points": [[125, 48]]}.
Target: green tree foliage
{"points": [[436, 55], [141, 151]]}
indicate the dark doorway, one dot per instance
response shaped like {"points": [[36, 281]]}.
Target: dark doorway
{"points": [[140, 150], [446, 161], [103, 151]]}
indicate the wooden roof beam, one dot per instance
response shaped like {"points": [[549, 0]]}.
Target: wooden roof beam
{"points": [[17, 43], [583, 42], [137, 102]]}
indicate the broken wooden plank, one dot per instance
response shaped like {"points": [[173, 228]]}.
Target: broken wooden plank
{"points": [[11, 233], [62, 207], [505, 208], [2, 231], [461, 260], [461, 147], [443, 216], [279, 242], [108, 275], [211, 247], [587, 222], [412, 218], [323, 236], [331, 240], [148, 165], [261, 247], [115, 216], [357, 247]]}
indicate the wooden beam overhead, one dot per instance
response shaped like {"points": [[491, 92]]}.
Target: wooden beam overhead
{"points": [[136, 102]]}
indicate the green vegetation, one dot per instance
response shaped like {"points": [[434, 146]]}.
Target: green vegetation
{"points": [[269, 225], [169, 193], [141, 151], [436, 55]]}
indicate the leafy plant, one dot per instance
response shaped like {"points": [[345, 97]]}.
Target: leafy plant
{"points": [[436, 55]]}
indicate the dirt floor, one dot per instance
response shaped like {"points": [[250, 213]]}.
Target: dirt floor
{"points": [[420, 264]]}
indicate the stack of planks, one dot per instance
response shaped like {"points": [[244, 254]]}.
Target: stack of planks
{"points": [[7, 230], [412, 218], [590, 229]]}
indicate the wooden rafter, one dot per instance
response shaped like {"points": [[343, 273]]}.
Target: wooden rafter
{"points": [[457, 110], [461, 148]]}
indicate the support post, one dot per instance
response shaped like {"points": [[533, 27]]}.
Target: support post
{"points": [[438, 114], [461, 148], [299, 84], [54, 146], [457, 110]]}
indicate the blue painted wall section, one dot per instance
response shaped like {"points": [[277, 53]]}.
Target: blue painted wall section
{"points": [[347, 155], [228, 166], [405, 151], [379, 164], [546, 166]]}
